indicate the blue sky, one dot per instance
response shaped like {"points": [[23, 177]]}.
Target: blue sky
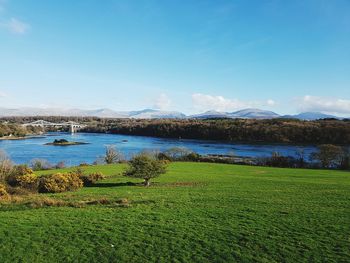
{"points": [[283, 55]]}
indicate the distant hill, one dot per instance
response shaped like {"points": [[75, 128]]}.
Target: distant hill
{"points": [[244, 114], [310, 116], [210, 114], [102, 113], [254, 114], [158, 114]]}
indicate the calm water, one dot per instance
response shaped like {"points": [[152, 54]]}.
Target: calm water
{"points": [[22, 151]]}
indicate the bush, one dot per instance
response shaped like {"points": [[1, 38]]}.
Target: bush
{"points": [[21, 170], [16, 172], [92, 178], [60, 182], [3, 192], [74, 182], [27, 181]]}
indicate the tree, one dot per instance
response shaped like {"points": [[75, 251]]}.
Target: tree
{"points": [[328, 155], [300, 153], [145, 166], [6, 165], [40, 164], [345, 162], [112, 155]]}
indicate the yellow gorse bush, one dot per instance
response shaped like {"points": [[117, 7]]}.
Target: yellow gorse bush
{"points": [[60, 182], [29, 181], [3, 192]]}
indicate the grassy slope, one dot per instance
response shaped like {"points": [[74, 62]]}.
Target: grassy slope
{"points": [[194, 213]]}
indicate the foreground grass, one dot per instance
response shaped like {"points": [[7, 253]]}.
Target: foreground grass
{"points": [[194, 213]]}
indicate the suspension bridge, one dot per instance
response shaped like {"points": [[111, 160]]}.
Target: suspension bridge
{"points": [[73, 126]]}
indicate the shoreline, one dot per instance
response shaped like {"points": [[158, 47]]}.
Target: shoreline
{"points": [[12, 138], [15, 138]]}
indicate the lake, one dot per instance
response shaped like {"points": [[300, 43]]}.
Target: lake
{"points": [[23, 151]]}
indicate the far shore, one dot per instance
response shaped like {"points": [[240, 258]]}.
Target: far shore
{"points": [[5, 138], [12, 138]]}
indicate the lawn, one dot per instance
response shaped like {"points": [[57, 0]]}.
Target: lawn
{"points": [[195, 213]]}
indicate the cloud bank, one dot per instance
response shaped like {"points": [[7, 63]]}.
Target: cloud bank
{"points": [[163, 102], [204, 102], [323, 104]]}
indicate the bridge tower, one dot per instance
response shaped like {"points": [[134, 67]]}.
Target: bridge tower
{"points": [[71, 128]]}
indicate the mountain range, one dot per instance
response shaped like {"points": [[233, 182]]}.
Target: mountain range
{"points": [[158, 114]]}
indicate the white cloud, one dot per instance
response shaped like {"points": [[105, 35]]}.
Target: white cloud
{"points": [[162, 102], [325, 105], [271, 102], [204, 102], [218, 103], [2, 94], [15, 26]]}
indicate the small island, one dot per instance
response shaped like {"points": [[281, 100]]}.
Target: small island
{"points": [[64, 142]]}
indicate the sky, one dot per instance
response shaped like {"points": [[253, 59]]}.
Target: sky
{"points": [[287, 56]]}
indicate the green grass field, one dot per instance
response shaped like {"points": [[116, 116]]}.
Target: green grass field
{"points": [[194, 213]]}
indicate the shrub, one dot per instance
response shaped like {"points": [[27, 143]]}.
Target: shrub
{"points": [[27, 181], [74, 182], [21, 170], [60, 182], [3, 192], [92, 178], [18, 171]]}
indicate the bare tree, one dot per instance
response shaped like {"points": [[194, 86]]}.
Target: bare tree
{"points": [[112, 155], [40, 164], [6, 165]]}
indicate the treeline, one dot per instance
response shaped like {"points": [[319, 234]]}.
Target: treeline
{"points": [[236, 130], [17, 130], [327, 131]]}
